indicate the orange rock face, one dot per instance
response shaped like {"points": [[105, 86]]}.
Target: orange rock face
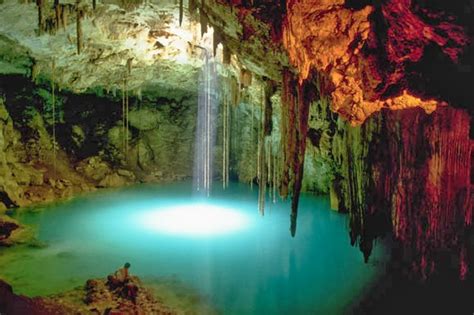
{"points": [[339, 42]]}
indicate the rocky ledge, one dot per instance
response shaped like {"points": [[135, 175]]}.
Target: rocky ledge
{"points": [[94, 298]]}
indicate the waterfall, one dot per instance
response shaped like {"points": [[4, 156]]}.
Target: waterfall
{"points": [[205, 127]]}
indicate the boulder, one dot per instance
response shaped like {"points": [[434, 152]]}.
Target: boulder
{"points": [[94, 168], [113, 180]]}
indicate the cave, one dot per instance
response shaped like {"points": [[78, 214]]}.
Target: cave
{"points": [[236, 157]]}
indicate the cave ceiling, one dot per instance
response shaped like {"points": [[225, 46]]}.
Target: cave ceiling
{"points": [[365, 55]]}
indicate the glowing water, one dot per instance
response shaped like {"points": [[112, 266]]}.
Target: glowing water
{"points": [[194, 220], [244, 264]]}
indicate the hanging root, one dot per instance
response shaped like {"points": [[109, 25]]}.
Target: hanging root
{"points": [[54, 115]]}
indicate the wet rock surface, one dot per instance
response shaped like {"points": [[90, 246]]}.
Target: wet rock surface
{"points": [[6, 229], [96, 297]]}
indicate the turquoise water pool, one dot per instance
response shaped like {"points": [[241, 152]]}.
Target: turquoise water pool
{"points": [[221, 247]]}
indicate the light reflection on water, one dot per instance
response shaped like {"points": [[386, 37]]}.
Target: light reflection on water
{"points": [[257, 268]]}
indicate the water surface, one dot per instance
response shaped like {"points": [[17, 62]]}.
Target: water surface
{"points": [[248, 265]]}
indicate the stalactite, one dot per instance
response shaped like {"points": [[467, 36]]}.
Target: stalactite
{"points": [[57, 14], [127, 109], [303, 104], [275, 179], [129, 66], [294, 127], [203, 20], [64, 15], [268, 110], [123, 118], [226, 55], [180, 12], [287, 120], [261, 174], [192, 7], [245, 77], [216, 40], [40, 3], [224, 140], [252, 128], [79, 15]]}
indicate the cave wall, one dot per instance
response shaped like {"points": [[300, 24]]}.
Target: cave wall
{"points": [[89, 140], [410, 173]]}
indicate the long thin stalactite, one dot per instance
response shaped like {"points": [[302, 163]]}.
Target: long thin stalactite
{"points": [[295, 111]]}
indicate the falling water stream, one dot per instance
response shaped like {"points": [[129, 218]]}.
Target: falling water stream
{"points": [[205, 130]]}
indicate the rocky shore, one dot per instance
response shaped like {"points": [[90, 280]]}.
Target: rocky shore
{"points": [[95, 297]]}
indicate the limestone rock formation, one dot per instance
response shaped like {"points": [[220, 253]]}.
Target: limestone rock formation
{"points": [[344, 44], [95, 297]]}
